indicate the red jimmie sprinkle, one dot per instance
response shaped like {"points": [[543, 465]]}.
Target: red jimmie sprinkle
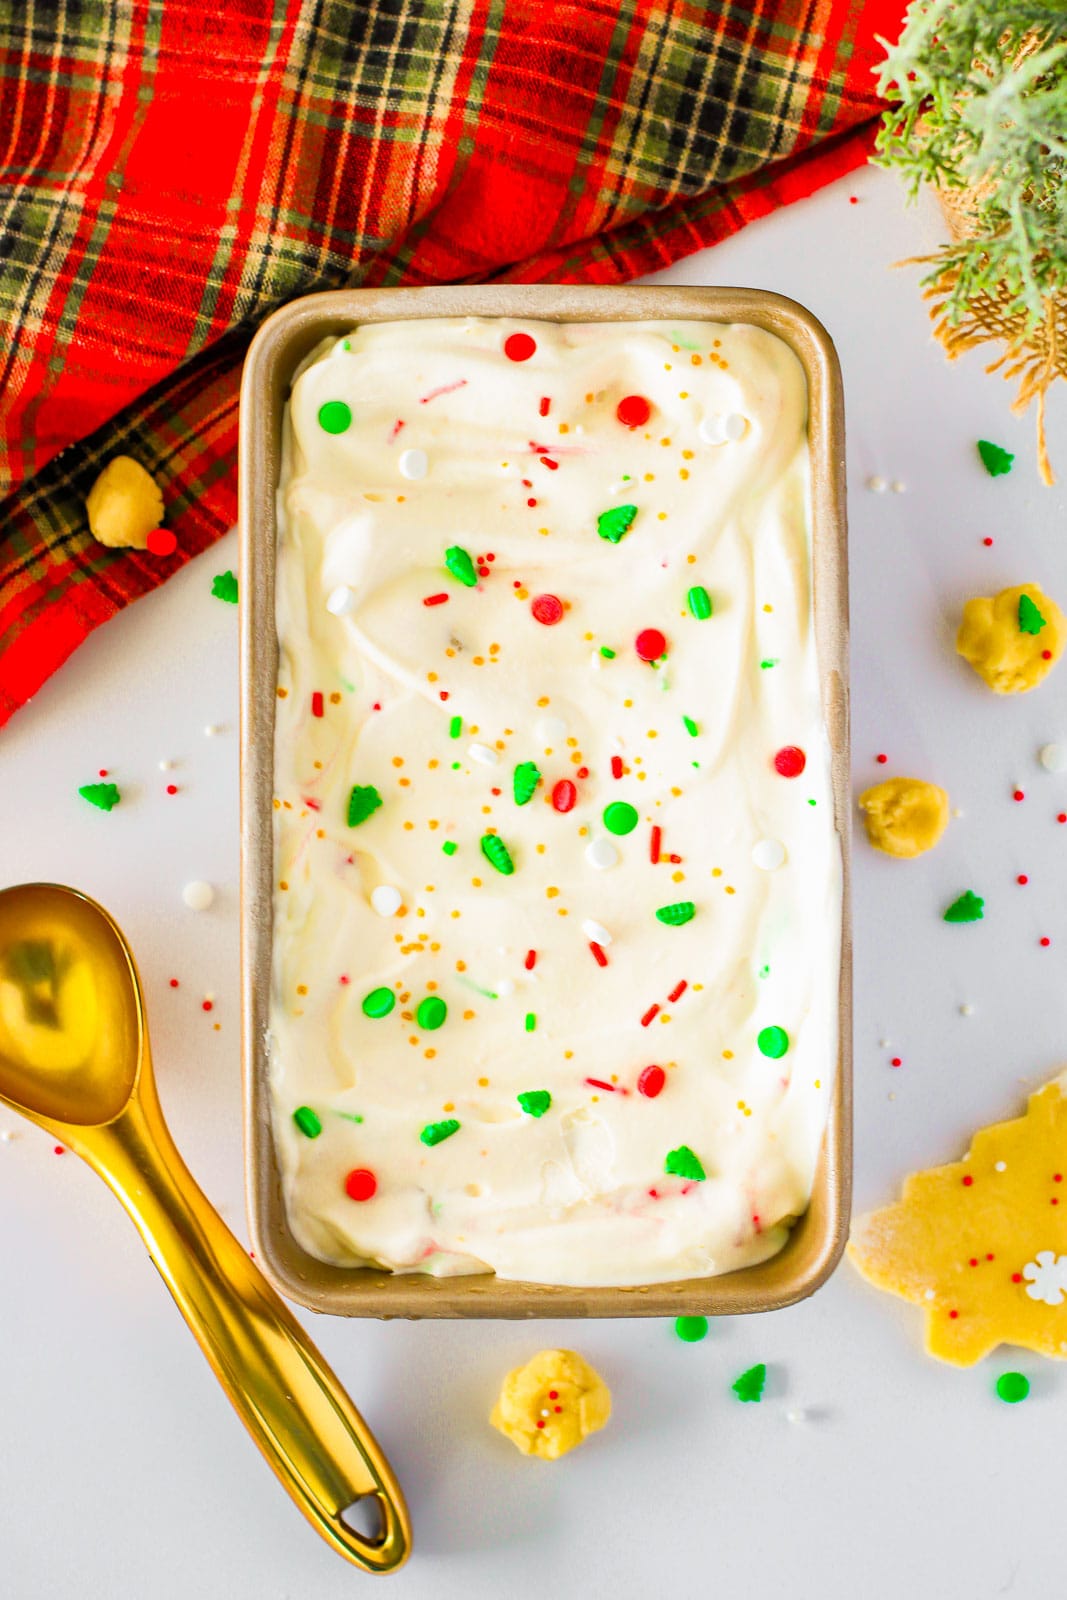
{"points": [[616, 766], [651, 1082], [531, 960], [316, 703], [435, 599], [547, 608], [361, 1184], [312, 805], [519, 346], [650, 644], [598, 1083], [598, 954], [544, 406], [649, 1014], [654, 843], [583, 772], [633, 411], [790, 761], [678, 991], [553, 466], [564, 795]]}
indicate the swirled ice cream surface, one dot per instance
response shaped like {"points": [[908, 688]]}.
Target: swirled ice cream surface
{"points": [[558, 888]]}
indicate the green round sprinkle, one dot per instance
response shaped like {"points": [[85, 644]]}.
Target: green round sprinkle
{"points": [[690, 727], [455, 727], [1013, 1387], [684, 1163], [620, 817], [612, 525], [677, 915], [535, 1102], [970, 907], [691, 1329], [450, 847], [431, 1013], [378, 1003], [335, 416], [609, 655], [460, 565], [363, 802], [531, 1021], [773, 1042], [526, 777], [1030, 619], [699, 602], [101, 795], [495, 852], [438, 1132], [749, 1386], [310, 1125]]}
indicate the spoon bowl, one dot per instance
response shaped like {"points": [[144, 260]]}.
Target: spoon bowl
{"points": [[75, 1057]]}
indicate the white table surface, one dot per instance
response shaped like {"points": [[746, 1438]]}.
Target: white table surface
{"points": [[123, 1473]]}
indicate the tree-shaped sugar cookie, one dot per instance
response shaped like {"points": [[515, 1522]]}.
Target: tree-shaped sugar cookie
{"points": [[981, 1244]]}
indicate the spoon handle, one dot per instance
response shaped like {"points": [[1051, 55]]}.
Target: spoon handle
{"points": [[287, 1397]]}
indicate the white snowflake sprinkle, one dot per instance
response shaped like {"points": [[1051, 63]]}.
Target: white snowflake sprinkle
{"points": [[1047, 1278]]}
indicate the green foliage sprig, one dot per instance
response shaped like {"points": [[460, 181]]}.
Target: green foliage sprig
{"points": [[977, 91]]}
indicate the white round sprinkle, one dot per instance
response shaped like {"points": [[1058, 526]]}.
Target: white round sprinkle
{"points": [[928, 1294], [483, 753], [601, 853], [413, 464], [1000, 1166], [768, 854], [967, 1010], [735, 427], [884, 1044], [596, 931], [797, 1414], [551, 730], [898, 486], [198, 895], [213, 729], [6, 1135], [341, 600], [957, 812], [386, 900], [877, 485], [1053, 757], [505, 987], [165, 766], [713, 428]]}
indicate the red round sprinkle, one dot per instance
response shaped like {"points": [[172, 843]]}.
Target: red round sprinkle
{"points": [[990, 1256], [967, 1181], [483, 571], [547, 608], [1022, 878], [564, 794], [58, 1150], [1018, 794], [540, 1422], [973, 1262], [1016, 1277], [174, 983], [881, 760], [531, 502], [103, 772], [207, 1005], [519, 346], [1053, 1201], [1045, 943], [361, 1184], [1062, 817], [1057, 1177], [634, 411], [651, 1082], [557, 1408], [987, 542], [1046, 655], [953, 1314], [344, 978], [161, 542], [172, 788], [896, 1062], [583, 772], [790, 761], [489, 556], [442, 694], [650, 644]]}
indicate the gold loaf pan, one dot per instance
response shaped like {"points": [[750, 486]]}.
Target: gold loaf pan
{"points": [[818, 1238]]}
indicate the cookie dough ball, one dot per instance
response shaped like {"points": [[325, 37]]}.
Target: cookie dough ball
{"points": [[551, 1404], [905, 817], [1012, 641], [124, 505]]}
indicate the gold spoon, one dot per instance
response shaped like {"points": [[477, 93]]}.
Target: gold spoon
{"points": [[74, 1057]]}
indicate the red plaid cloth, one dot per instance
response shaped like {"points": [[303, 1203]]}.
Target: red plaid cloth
{"points": [[171, 171]]}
